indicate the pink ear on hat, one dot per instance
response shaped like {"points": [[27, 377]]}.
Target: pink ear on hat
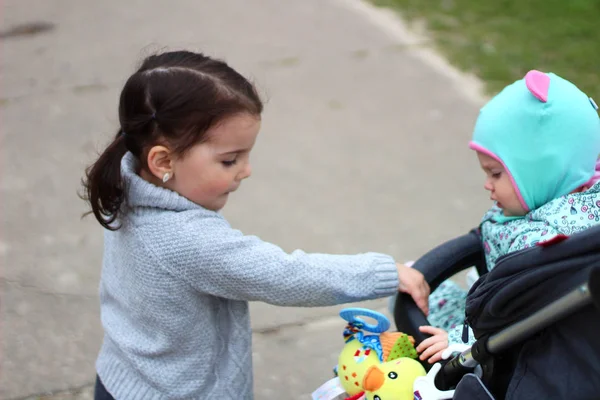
{"points": [[538, 84]]}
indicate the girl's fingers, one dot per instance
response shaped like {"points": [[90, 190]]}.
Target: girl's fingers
{"points": [[426, 344], [423, 303], [413, 282], [432, 350], [436, 357], [430, 342], [424, 306]]}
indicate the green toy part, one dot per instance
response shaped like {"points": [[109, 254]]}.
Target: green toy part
{"points": [[402, 348]]}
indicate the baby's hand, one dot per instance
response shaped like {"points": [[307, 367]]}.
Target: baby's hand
{"points": [[434, 346], [413, 282]]}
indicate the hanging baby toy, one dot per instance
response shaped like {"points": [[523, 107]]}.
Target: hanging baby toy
{"points": [[377, 366]]}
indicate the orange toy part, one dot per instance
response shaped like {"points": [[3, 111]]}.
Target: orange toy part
{"points": [[396, 345]]}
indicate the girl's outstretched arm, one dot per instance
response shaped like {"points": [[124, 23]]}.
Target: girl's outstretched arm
{"points": [[218, 260]]}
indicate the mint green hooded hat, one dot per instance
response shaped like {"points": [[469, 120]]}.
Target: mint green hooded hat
{"points": [[546, 133]]}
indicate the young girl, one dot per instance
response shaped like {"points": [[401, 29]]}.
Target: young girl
{"points": [[176, 278], [538, 143]]}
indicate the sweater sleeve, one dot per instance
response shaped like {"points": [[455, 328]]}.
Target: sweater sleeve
{"points": [[223, 262]]}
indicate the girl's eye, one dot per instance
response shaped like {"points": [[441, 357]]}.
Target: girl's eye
{"points": [[229, 163], [496, 175]]}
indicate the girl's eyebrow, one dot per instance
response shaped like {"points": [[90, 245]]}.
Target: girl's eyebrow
{"points": [[492, 166], [231, 152], [492, 169]]}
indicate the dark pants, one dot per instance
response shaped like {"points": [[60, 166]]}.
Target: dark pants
{"points": [[100, 392]]}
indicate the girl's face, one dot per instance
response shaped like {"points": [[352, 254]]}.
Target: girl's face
{"points": [[209, 171], [499, 184]]}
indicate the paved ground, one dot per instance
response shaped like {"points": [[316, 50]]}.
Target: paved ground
{"points": [[363, 149]]}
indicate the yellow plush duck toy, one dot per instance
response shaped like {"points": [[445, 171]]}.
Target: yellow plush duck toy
{"points": [[392, 380], [362, 352]]}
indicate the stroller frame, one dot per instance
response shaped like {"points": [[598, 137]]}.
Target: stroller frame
{"points": [[482, 352], [464, 252]]}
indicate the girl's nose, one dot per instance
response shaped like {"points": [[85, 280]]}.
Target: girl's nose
{"points": [[246, 172], [488, 185]]}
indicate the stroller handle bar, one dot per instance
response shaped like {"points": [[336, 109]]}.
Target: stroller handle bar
{"points": [[571, 302]]}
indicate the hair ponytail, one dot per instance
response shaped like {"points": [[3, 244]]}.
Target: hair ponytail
{"points": [[103, 184]]}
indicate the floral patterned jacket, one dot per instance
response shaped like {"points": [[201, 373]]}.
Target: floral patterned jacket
{"points": [[566, 215]]}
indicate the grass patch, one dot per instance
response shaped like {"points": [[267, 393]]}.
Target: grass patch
{"points": [[500, 40]]}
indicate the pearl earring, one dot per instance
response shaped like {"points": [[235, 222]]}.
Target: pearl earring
{"points": [[166, 177]]}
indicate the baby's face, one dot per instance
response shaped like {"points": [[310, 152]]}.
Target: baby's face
{"points": [[499, 183]]}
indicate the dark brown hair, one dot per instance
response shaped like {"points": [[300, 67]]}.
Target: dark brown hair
{"points": [[174, 98]]}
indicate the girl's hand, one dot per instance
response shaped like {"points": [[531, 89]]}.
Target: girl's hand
{"points": [[413, 282], [433, 346]]}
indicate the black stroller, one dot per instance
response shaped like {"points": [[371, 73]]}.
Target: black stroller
{"points": [[533, 315]]}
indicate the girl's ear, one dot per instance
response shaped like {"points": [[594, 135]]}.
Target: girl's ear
{"points": [[160, 161]]}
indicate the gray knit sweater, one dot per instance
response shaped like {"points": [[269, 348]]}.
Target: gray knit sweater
{"points": [[176, 282]]}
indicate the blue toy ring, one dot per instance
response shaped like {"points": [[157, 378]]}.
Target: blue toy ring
{"points": [[353, 315]]}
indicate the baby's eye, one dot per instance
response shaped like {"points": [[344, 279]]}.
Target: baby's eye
{"points": [[229, 163], [496, 175]]}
